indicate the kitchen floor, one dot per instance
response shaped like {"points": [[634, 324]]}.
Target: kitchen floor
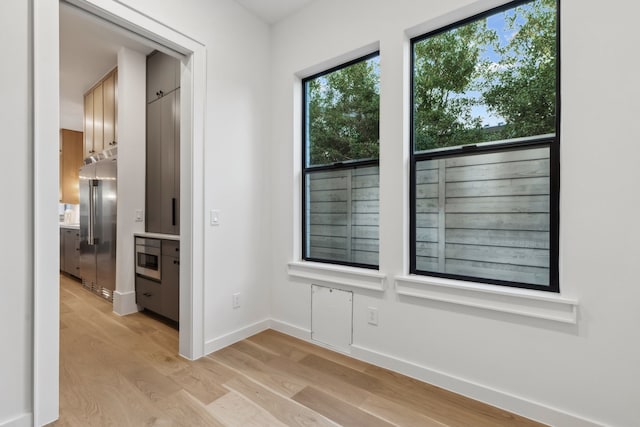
{"points": [[125, 371]]}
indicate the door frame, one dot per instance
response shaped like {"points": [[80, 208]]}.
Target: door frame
{"points": [[46, 56]]}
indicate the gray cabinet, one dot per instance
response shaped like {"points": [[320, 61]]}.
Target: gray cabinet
{"points": [[163, 75], [69, 251], [163, 158], [163, 296], [171, 279], [149, 294]]}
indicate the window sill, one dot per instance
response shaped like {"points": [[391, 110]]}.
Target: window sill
{"points": [[521, 302], [331, 274]]}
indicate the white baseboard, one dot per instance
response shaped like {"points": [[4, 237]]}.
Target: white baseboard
{"points": [[124, 303], [292, 330], [235, 336], [22, 420], [509, 402]]}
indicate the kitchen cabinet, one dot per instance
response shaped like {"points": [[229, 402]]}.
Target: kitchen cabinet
{"points": [[171, 279], [162, 296], [149, 294], [70, 162], [163, 75], [100, 115], [69, 251], [163, 157]]}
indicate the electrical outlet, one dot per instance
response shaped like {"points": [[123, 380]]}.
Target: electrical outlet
{"points": [[372, 316], [235, 300]]}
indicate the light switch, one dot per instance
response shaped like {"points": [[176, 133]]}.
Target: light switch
{"points": [[215, 217], [139, 216]]}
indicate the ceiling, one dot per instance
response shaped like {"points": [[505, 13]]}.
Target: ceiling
{"points": [[89, 49], [272, 11]]}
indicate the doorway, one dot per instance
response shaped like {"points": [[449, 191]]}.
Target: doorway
{"points": [[46, 106]]}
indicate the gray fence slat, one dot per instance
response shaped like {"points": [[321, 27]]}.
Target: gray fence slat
{"points": [[499, 157], [427, 249], [371, 170], [426, 165], [328, 242], [368, 245], [328, 219], [498, 255], [506, 238], [365, 231], [523, 169], [327, 207], [328, 253], [365, 219], [361, 257], [424, 234], [427, 205], [328, 230], [427, 263], [361, 194], [500, 204], [365, 206], [425, 191], [327, 174], [426, 220], [532, 275], [429, 176], [328, 196], [524, 221], [500, 187], [366, 181], [328, 184]]}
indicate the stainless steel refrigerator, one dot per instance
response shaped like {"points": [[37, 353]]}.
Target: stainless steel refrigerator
{"points": [[98, 197]]}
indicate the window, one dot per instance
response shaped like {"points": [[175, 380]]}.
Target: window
{"points": [[340, 164], [485, 148]]}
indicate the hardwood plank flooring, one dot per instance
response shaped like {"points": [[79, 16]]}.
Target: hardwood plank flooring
{"points": [[125, 371]]}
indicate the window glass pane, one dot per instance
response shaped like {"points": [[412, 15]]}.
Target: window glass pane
{"points": [[485, 216], [487, 80], [342, 110], [341, 212]]}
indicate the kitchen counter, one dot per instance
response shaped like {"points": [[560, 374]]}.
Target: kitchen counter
{"points": [[71, 226], [158, 236]]}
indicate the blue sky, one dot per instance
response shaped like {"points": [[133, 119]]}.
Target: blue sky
{"points": [[498, 23]]}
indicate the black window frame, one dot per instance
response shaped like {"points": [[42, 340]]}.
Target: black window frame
{"points": [[552, 141], [306, 170]]}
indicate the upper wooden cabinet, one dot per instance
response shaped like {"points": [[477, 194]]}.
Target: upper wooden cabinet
{"points": [[100, 115], [70, 163], [163, 75]]}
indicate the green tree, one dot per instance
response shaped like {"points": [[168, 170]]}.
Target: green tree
{"points": [[445, 67], [521, 88], [509, 72], [343, 114]]}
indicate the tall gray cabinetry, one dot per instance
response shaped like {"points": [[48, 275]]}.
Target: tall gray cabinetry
{"points": [[163, 144]]}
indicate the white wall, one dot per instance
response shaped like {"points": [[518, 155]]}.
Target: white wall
{"points": [[16, 258], [132, 68], [559, 373], [236, 179]]}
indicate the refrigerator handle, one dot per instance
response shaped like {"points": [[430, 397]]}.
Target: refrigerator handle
{"points": [[92, 219]]}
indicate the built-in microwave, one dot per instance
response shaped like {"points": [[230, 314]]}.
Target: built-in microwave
{"points": [[148, 258]]}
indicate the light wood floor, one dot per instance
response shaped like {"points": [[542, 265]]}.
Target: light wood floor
{"points": [[124, 371]]}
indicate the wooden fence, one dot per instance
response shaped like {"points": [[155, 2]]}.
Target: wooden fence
{"points": [[342, 215], [481, 215], [485, 216]]}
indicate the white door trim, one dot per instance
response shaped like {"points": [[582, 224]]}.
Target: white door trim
{"points": [[46, 128]]}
